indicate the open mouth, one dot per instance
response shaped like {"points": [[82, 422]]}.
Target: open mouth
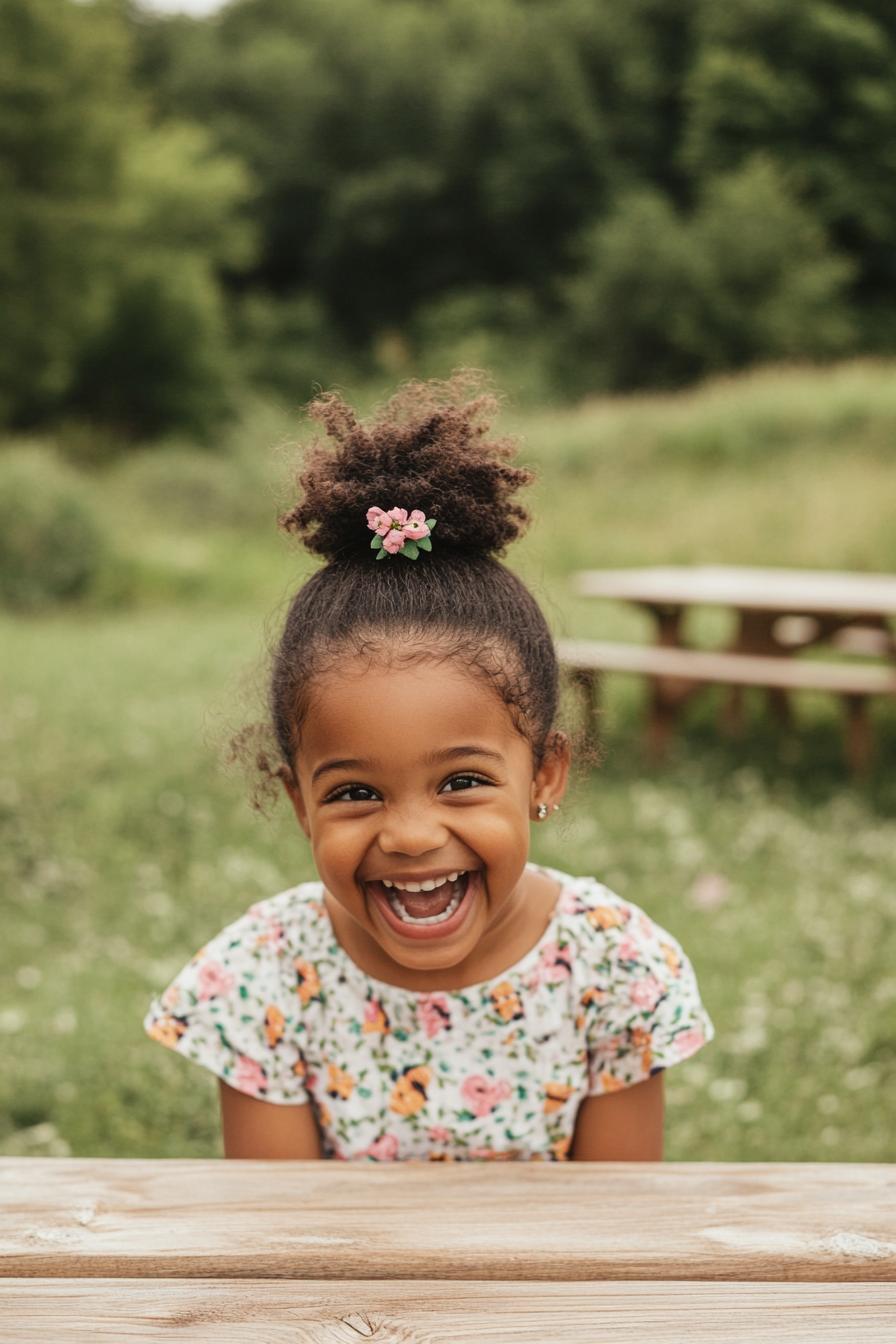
{"points": [[425, 909]]}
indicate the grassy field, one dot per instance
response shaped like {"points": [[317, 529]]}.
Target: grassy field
{"points": [[124, 843]]}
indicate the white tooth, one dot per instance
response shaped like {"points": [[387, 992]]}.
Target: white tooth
{"points": [[452, 877], [412, 886], [429, 885], [387, 883]]}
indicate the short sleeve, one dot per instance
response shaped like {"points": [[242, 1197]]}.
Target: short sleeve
{"points": [[643, 1006], [229, 1009]]}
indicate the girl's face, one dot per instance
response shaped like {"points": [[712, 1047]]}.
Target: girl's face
{"points": [[417, 775]]}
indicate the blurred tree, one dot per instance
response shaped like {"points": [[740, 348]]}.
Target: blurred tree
{"points": [[811, 84], [661, 299], [63, 101], [114, 233]]}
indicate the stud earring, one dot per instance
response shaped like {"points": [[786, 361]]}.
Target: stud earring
{"points": [[541, 811]]}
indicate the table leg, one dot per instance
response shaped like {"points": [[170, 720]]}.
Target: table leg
{"points": [[859, 744]]}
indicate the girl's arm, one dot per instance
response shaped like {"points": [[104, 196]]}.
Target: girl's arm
{"points": [[255, 1128], [623, 1126]]}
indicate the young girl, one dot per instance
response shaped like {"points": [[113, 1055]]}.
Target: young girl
{"points": [[434, 995]]}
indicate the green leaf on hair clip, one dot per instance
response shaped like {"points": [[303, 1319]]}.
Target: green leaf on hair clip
{"points": [[430, 523], [377, 543], [381, 555], [424, 544], [409, 550]]}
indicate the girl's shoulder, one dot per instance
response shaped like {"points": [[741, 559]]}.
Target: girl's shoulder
{"points": [[609, 931]]}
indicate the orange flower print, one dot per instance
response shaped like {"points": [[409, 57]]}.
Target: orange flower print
{"points": [[506, 1002], [274, 1022], [300, 1067], [324, 1113], [409, 1093], [376, 1019], [643, 1041], [339, 1083], [308, 985], [671, 958], [607, 917], [556, 1094], [168, 1030], [560, 1149], [610, 1084]]}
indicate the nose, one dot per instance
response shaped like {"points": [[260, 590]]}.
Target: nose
{"points": [[413, 829]]}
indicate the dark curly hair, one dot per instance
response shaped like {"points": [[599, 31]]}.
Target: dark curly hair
{"points": [[428, 447]]}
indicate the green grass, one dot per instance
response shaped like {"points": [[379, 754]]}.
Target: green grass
{"points": [[124, 843]]}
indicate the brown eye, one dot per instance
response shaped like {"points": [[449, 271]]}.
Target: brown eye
{"points": [[459, 783], [352, 793]]}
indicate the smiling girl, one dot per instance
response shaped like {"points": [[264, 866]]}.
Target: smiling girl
{"points": [[434, 995]]}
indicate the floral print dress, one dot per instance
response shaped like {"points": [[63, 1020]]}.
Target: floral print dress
{"points": [[273, 1005]]}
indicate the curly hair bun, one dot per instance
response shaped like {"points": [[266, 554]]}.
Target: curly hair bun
{"points": [[426, 448]]}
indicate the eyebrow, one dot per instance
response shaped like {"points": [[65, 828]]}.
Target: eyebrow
{"points": [[449, 754]]}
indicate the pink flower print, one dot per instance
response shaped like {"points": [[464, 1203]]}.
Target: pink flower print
{"points": [[250, 1076], [568, 904], [553, 964], [628, 948], [384, 1149], [646, 992], [688, 1042], [213, 979], [433, 1013], [170, 997], [378, 521], [439, 1134], [482, 1095], [273, 934]]}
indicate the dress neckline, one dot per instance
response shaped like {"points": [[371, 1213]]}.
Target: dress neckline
{"points": [[385, 987]]}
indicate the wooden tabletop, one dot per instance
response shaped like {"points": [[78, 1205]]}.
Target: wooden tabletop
{"points": [[795, 591], [330, 1251]]}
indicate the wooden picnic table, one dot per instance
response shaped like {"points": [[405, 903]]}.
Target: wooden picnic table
{"points": [[330, 1252], [778, 613], [778, 610]]}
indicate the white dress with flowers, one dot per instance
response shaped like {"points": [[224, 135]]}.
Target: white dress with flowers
{"points": [[273, 1005]]}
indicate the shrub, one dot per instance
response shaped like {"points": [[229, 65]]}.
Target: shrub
{"points": [[52, 546]]}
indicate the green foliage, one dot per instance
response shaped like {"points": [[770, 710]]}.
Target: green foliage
{"points": [[63, 120], [662, 299], [581, 195], [53, 545], [116, 232], [161, 359]]}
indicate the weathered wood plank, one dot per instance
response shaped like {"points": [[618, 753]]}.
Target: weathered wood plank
{"points": [[723, 668], [81, 1311], [818, 591], [511, 1221]]}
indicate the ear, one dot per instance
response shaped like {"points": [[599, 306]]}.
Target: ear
{"points": [[294, 793], [550, 779]]}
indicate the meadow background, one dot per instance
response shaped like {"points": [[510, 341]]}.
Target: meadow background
{"points": [[666, 233]]}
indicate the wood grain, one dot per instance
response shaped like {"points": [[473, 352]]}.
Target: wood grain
{"points": [[268, 1311], [660, 1221]]}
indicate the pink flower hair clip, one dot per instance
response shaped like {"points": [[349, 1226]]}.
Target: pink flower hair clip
{"points": [[400, 533]]}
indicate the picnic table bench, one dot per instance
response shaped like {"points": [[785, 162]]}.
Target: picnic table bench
{"points": [[780, 613], [330, 1252]]}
